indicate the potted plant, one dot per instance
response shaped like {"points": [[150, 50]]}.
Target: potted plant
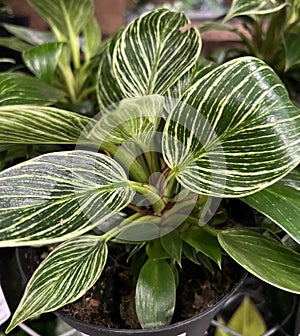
{"points": [[269, 31], [174, 136]]}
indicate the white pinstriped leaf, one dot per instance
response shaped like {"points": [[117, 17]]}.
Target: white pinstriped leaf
{"points": [[148, 56], [108, 91], [65, 15], [63, 277], [29, 124], [58, 196], [244, 131], [201, 68], [253, 7], [17, 88], [153, 52], [134, 119]]}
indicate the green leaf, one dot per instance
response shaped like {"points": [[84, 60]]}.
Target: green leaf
{"points": [[156, 251], [253, 7], [292, 23], [247, 320], [197, 257], [155, 294], [281, 203], [30, 36], [291, 43], [172, 243], [142, 56], [58, 196], [42, 60], [63, 277], [14, 44], [264, 257], [236, 132], [17, 88], [108, 90], [201, 68], [28, 124], [67, 16], [92, 38], [204, 242], [142, 229], [142, 61], [134, 119]]}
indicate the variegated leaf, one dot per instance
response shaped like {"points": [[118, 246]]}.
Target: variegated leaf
{"points": [[281, 203], [28, 124], [58, 196], [254, 7], [134, 119], [151, 54], [149, 47], [108, 90], [30, 36], [201, 68], [63, 277], [42, 60], [265, 257], [17, 88], [236, 133], [67, 16]]}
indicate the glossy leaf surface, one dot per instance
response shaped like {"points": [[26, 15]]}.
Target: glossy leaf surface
{"points": [[236, 132], [155, 294], [145, 51], [63, 277], [42, 60], [59, 196], [134, 119], [281, 203], [29, 124], [204, 242], [17, 88], [264, 257], [253, 7]]}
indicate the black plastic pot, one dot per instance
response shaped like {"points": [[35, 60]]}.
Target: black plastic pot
{"points": [[195, 326]]}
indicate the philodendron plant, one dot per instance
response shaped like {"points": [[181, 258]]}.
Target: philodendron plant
{"points": [[174, 136]]}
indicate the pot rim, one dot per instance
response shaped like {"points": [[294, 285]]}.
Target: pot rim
{"points": [[59, 313]]}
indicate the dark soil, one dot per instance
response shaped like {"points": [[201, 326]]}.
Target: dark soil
{"points": [[110, 302]]}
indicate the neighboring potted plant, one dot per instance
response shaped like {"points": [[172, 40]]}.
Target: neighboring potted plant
{"points": [[268, 30], [175, 136]]}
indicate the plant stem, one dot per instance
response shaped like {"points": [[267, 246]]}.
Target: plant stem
{"points": [[73, 40], [171, 187], [130, 163], [207, 228], [151, 194], [69, 81]]}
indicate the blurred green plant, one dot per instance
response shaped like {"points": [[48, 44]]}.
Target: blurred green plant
{"points": [[269, 30], [246, 321]]}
